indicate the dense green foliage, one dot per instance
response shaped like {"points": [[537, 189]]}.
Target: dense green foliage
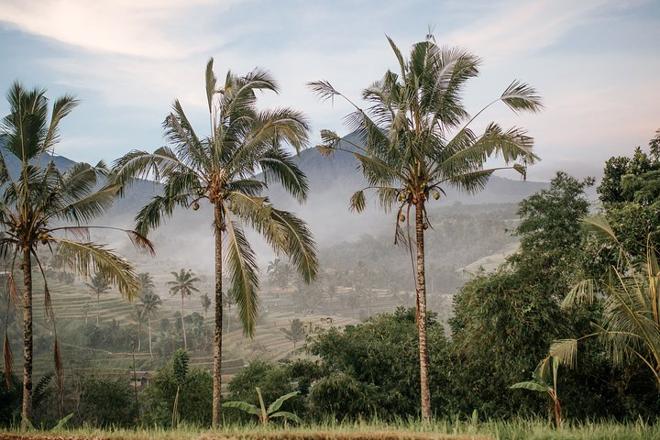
{"points": [[503, 323], [194, 405], [106, 403]]}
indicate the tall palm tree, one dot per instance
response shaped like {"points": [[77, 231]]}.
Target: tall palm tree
{"points": [[184, 285], [151, 302], [44, 208], [223, 169], [416, 140], [99, 285]]}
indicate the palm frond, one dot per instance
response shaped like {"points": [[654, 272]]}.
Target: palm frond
{"points": [[298, 243], [88, 258], [323, 89], [519, 96], [8, 361], [87, 208], [211, 82], [242, 266], [61, 108], [358, 202], [277, 164], [601, 226], [151, 215], [582, 292], [565, 351]]}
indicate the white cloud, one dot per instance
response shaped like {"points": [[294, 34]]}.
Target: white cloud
{"points": [[141, 55], [145, 28], [519, 28]]}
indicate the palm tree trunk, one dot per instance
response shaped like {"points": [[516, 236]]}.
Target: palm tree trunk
{"points": [[98, 307], [151, 353], [420, 291], [217, 334], [139, 347], [26, 408], [183, 327]]}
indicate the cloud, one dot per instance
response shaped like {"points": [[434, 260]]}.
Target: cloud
{"points": [[139, 56], [519, 28], [145, 28]]}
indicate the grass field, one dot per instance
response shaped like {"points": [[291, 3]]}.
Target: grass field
{"points": [[512, 430]]}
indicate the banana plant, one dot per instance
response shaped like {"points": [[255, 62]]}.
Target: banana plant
{"points": [[265, 414], [544, 380]]}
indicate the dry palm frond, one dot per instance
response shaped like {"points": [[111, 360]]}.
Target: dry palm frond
{"points": [[565, 350], [12, 290], [8, 358], [59, 370]]}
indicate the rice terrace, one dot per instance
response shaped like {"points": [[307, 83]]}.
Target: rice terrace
{"points": [[350, 220]]}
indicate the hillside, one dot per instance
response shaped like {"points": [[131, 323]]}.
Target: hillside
{"points": [[332, 180]]}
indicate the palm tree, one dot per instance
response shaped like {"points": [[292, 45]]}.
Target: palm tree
{"points": [[416, 140], [146, 283], [140, 318], [184, 285], [85, 311], [44, 208], [222, 169], [206, 303], [630, 294], [99, 285], [296, 332], [151, 302], [279, 273]]}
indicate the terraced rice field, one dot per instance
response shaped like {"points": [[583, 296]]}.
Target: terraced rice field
{"points": [[74, 303]]}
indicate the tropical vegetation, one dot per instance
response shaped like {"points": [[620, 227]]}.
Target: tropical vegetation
{"points": [[357, 338]]}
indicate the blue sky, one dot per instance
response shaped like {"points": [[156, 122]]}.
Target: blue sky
{"points": [[596, 63]]}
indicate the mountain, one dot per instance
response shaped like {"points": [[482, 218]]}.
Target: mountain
{"points": [[332, 180]]}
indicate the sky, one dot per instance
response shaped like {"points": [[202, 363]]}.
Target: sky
{"points": [[595, 62]]}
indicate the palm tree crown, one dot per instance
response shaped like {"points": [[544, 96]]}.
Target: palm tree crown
{"points": [[147, 285], [223, 169], [99, 284], [417, 133], [184, 283]]}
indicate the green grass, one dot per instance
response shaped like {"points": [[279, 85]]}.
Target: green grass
{"points": [[458, 430]]}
